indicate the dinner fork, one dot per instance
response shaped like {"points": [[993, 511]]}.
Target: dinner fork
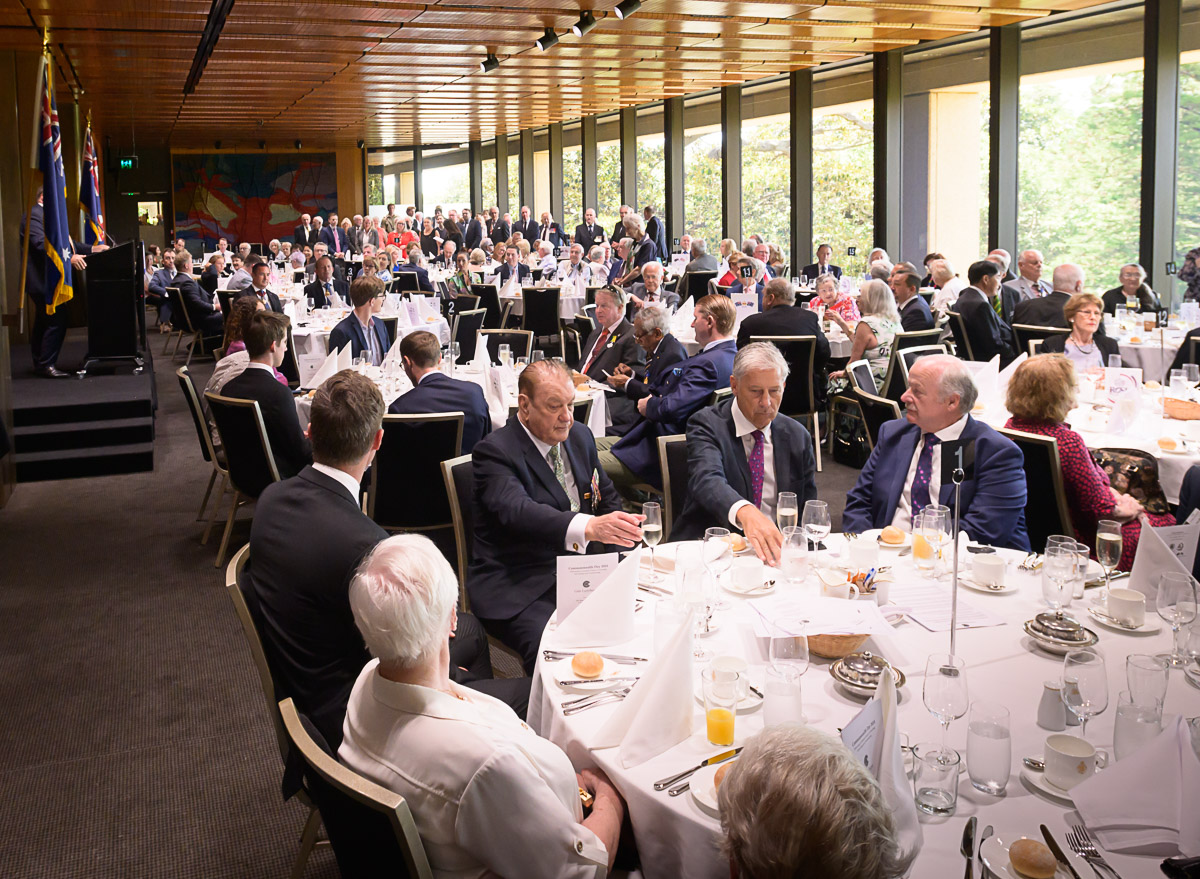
{"points": [[1081, 843], [601, 699]]}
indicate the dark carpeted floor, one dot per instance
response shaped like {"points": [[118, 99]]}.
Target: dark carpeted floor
{"points": [[134, 740]]}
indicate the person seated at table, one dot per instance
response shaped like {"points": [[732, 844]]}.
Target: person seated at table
{"points": [[480, 257], [677, 394], [752, 278], [210, 277], [1133, 289], [203, 315], [1047, 311], [980, 306], [612, 342], [903, 474], [949, 285], [781, 317], [297, 258], [574, 271], [488, 795], [927, 278], [797, 802], [649, 290], [235, 358], [775, 260], [539, 493], [652, 331], [364, 333], [742, 453], [730, 276], [822, 266], [1189, 500], [240, 278], [433, 391], [701, 261], [325, 287], [597, 265], [1085, 346], [617, 268], [1040, 395], [915, 314], [546, 261], [445, 257], [830, 296], [266, 343], [873, 335], [260, 276], [513, 267], [156, 289], [414, 265], [460, 281]]}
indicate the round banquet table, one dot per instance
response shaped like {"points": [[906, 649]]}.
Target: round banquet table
{"points": [[1152, 353], [839, 344], [312, 335], [569, 304], [676, 837]]}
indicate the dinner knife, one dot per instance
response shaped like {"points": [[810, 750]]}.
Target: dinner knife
{"points": [[1057, 850], [711, 761], [596, 681]]}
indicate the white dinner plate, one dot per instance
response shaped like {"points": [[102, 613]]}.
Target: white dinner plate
{"points": [[749, 703], [873, 534], [563, 672], [704, 791], [765, 589], [975, 586], [1037, 780], [994, 854], [1151, 626]]}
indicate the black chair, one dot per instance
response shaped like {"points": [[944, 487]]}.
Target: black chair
{"points": [[909, 356], [405, 282], [226, 298], [248, 451], [461, 302], [540, 310], [1043, 470], [519, 342], [875, 411], [958, 332], [535, 275], [719, 289], [800, 398], [718, 395], [1027, 333], [391, 323], [408, 466], [673, 463], [589, 311], [291, 365], [895, 382], [859, 375], [370, 827], [467, 325], [589, 296], [570, 343], [696, 285], [489, 300], [207, 449], [458, 475]]}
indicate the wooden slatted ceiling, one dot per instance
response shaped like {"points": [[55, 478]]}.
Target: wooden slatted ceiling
{"points": [[396, 72]]}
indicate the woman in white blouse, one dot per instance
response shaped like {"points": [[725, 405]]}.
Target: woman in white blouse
{"points": [[489, 796]]}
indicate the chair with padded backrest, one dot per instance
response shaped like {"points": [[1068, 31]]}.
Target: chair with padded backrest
{"points": [[405, 282], [800, 399], [175, 301], [875, 411], [673, 463], [519, 342], [719, 289], [581, 410], [189, 332], [916, 339], [718, 395], [458, 474], [1043, 469], [909, 356], [589, 311], [391, 323], [1027, 333], [408, 466], [859, 375], [248, 451], [290, 368], [467, 325], [370, 827], [489, 301], [958, 331], [696, 286], [570, 345], [206, 449], [540, 310], [226, 298]]}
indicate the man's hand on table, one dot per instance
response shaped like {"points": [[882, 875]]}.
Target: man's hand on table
{"points": [[619, 528], [761, 533]]}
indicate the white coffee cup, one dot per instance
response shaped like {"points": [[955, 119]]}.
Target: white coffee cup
{"points": [[1069, 760], [733, 665], [1127, 606], [988, 569], [839, 590]]}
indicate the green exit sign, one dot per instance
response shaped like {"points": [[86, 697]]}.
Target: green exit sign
{"points": [[128, 163]]}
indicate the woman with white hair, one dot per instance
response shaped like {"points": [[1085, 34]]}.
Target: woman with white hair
{"points": [[949, 285], [489, 796], [798, 803], [874, 334]]}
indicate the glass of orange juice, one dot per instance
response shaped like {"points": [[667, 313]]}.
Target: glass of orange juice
{"points": [[720, 704]]}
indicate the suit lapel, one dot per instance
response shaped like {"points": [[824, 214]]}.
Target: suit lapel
{"points": [[541, 469], [739, 456]]}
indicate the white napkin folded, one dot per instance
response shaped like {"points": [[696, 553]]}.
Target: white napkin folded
{"points": [[1154, 557], [986, 377], [393, 354], [481, 358], [327, 369], [289, 311], [657, 714], [606, 616], [892, 777], [345, 358], [1149, 803]]}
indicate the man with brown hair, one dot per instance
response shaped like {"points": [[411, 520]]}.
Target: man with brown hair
{"points": [[266, 343], [432, 391], [360, 329]]}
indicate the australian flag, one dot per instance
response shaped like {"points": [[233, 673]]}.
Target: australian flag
{"points": [[58, 288], [89, 193]]}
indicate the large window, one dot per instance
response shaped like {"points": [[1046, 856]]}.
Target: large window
{"points": [[390, 180], [490, 194], [702, 169], [1081, 138], [541, 173], [1187, 181], [766, 164], [514, 177], [843, 165], [651, 167], [572, 178], [445, 179], [608, 170]]}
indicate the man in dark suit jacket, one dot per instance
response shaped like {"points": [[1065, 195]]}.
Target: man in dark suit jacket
{"points": [[914, 310], [674, 398], [619, 230], [502, 229], [260, 274], [512, 263], [421, 352], [1047, 311], [360, 329], [589, 233], [889, 491], [325, 284], [527, 226], [305, 235], [722, 464], [986, 332], [652, 330], [333, 237], [297, 591], [414, 265], [781, 317], [473, 235], [551, 231], [656, 231], [199, 306], [822, 266], [611, 343], [539, 493], [701, 261]]}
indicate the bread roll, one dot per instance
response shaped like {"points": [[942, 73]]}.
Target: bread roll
{"points": [[588, 664], [1030, 858], [892, 535], [1167, 444], [721, 770]]}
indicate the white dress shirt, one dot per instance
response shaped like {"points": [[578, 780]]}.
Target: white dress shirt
{"points": [[743, 427], [350, 483], [575, 542], [948, 294], [489, 796], [903, 517], [549, 267]]}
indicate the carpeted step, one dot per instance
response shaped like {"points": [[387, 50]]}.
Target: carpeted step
{"points": [[83, 434], [75, 463]]}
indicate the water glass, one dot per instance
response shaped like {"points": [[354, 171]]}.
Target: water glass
{"points": [[989, 747], [1176, 604], [720, 704], [1085, 685], [782, 701], [1178, 386], [815, 520], [1135, 724], [793, 561], [1147, 678], [936, 780], [1058, 576], [945, 690], [1191, 373]]}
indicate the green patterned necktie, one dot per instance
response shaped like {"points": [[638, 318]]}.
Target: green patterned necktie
{"points": [[560, 474], [998, 306]]}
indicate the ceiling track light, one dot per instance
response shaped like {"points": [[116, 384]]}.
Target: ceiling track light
{"points": [[586, 23], [488, 64], [547, 40], [627, 8]]}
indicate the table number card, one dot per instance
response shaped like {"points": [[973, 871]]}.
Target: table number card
{"points": [[1122, 382], [578, 576], [746, 304]]}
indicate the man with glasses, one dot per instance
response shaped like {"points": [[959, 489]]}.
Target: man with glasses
{"points": [[612, 342], [364, 333]]}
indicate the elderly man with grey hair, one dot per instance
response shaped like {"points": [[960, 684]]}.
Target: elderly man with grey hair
{"points": [[794, 776], [903, 475], [652, 331], [701, 262], [643, 249], [742, 453], [649, 290]]}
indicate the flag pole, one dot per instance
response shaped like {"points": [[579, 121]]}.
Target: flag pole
{"points": [[29, 199]]}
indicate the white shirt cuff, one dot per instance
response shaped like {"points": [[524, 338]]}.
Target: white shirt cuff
{"points": [[734, 510], [576, 542]]}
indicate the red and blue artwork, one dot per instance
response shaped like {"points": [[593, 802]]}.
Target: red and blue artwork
{"points": [[250, 197]]}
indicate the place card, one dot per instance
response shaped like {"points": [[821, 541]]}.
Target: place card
{"points": [[862, 735], [578, 577], [308, 365], [746, 304], [819, 615]]}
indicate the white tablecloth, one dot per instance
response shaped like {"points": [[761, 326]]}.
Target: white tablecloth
{"points": [[677, 839], [313, 338], [1153, 354], [569, 304]]}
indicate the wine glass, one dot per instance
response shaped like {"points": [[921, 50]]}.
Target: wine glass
{"points": [[789, 647], [945, 690], [786, 510], [1176, 603], [816, 522], [651, 535], [1108, 552], [1084, 685], [718, 558], [1058, 577]]}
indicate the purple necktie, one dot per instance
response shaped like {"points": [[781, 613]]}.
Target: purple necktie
{"points": [[756, 468], [920, 483]]}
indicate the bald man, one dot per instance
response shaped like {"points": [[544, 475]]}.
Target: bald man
{"points": [[1047, 311]]}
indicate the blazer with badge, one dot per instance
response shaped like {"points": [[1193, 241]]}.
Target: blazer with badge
{"points": [[554, 234], [522, 515], [440, 393], [350, 331], [719, 474], [619, 348], [316, 292], [993, 502], [669, 352], [589, 236]]}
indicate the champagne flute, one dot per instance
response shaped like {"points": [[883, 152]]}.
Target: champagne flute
{"points": [[786, 510], [945, 690], [816, 522], [1176, 603], [1108, 552], [651, 535], [1085, 685], [718, 558]]}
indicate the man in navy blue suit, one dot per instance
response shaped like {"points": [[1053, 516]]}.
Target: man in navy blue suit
{"points": [[333, 237], [903, 474], [914, 310], [742, 453], [986, 330], [414, 265], [512, 263], [363, 332], [421, 352], [673, 398], [652, 331], [320, 291], [539, 493]]}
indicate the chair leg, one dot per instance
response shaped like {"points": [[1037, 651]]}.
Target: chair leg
{"points": [[228, 529], [191, 349], [817, 437], [216, 510], [308, 838], [166, 342], [212, 478]]}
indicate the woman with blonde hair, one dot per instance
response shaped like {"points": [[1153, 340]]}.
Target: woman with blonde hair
{"points": [[873, 335]]}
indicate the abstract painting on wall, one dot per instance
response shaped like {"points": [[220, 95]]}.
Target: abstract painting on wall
{"points": [[249, 196]]}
